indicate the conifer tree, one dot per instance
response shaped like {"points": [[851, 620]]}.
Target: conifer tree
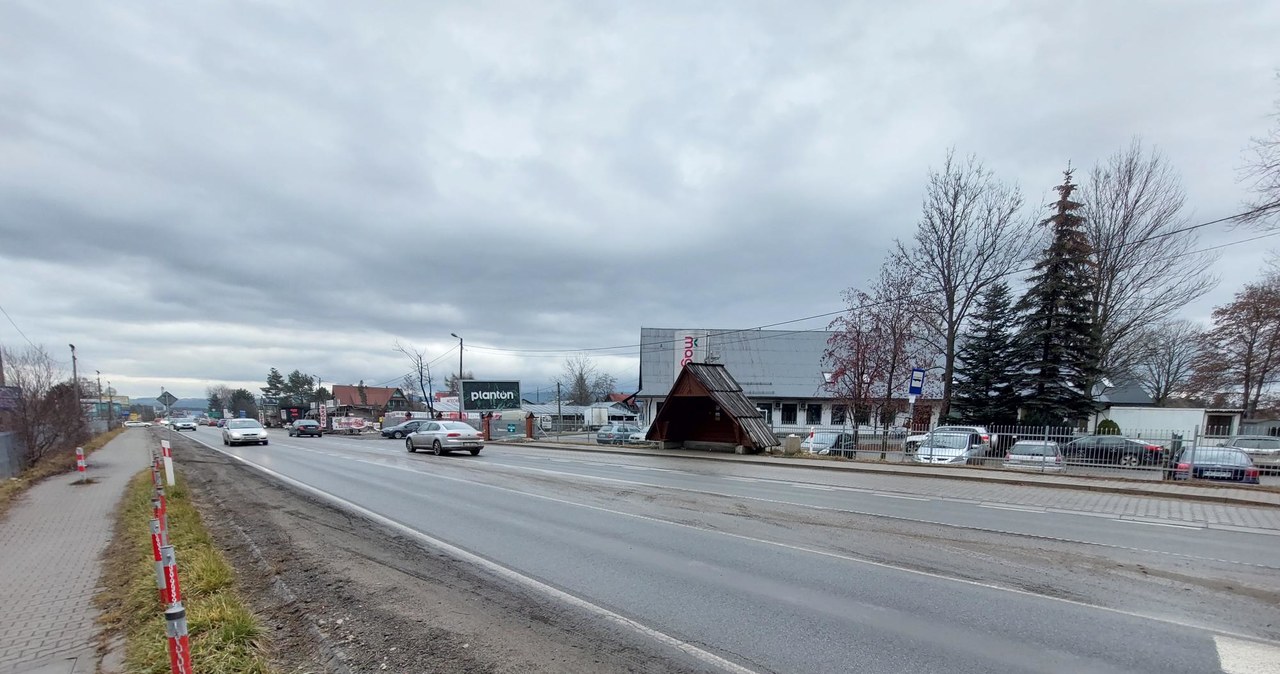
{"points": [[986, 389], [1056, 341]]}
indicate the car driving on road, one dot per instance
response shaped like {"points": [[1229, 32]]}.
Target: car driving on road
{"points": [[442, 437], [303, 427], [243, 432], [403, 429], [185, 424]]}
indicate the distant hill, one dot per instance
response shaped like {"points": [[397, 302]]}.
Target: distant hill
{"points": [[194, 404]]}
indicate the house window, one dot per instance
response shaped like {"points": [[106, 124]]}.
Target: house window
{"points": [[839, 414], [789, 414], [812, 414], [1217, 425], [767, 410]]}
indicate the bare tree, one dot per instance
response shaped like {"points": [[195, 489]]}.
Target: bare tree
{"points": [[47, 417], [1166, 365], [420, 376], [219, 397], [970, 235], [1262, 172], [1241, 354], [1145, 268], [877, 342], [583, 383]]}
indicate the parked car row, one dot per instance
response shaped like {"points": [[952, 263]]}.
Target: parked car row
{"points": [[618, 434]]}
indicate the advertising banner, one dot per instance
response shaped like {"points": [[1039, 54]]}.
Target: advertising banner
{"points": [[691, 347], [488, 396]]}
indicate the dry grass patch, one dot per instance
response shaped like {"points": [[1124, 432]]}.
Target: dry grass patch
{"points": [[226, 636], [54, 464]]}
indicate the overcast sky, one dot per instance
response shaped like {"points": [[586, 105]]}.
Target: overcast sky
{"points": [[195, 192]]}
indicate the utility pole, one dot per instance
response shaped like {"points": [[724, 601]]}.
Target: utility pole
{"points": [[559, 413], [1, 367], [111, 404], [75, 379], [99, 373], [459, 370]]}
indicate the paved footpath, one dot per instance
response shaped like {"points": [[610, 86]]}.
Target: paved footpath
{"points": [[53, 539]]}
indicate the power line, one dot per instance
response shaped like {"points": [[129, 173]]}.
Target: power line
{"points": [[829, 314], [15, 327]]}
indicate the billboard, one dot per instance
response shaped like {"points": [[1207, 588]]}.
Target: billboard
{"points": [[691, 347], [488, 396]]}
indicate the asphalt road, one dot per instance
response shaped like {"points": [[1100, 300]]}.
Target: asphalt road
{"points": [[792, 570]]}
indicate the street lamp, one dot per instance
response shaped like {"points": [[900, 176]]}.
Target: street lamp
{"points": [[459, 382], [111, 404]]}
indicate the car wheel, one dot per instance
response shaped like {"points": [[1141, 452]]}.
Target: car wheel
{"points": [[475, 452], [397, 435], [1129, 460], [408, 444], [436, 448]]}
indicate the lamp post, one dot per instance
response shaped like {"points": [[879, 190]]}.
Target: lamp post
{"points": [[99, 373], [459, 382], [75, 379], [111, 404]]}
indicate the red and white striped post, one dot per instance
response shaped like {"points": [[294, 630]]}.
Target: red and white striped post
{"points": [[175, 627], [157, 540], [159, 514], [80, 467], [167, 456], [172, 590]]}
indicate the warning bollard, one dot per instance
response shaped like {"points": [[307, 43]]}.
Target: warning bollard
{"points": [[80, 462], [175, 626], [167, 457], [157, 541], [173, 592], [157, 511]]}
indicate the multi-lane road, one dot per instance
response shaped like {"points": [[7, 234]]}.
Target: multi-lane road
{"points": [[761, 569]]}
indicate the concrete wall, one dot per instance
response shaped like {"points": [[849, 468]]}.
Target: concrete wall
{"points": [[12, 455]]}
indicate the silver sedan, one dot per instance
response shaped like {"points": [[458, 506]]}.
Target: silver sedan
{"points": [[443, 437]]}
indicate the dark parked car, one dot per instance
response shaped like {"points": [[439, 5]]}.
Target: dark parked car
{"points": [[1212, 463], [830, 443], [1114, 449], [303, 427], [403, 429]]}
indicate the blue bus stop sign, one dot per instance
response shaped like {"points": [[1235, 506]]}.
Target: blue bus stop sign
{"points": [[917, 382]]}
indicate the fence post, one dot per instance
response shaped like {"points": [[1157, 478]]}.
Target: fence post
{"points": [[175, 624], [1191, 462]]}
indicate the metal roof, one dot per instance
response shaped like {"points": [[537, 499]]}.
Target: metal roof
{"points": [[766, 363], [726, 392]]}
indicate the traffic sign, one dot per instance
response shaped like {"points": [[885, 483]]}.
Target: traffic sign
{"points": [[167, 399], [917, 382]]}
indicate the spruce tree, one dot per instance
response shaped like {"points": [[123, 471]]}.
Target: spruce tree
{"points": [[1056, 341], [985, 391]]}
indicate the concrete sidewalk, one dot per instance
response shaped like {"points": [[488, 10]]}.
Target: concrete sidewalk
{"points": [[50, 562], [1178, 490]]}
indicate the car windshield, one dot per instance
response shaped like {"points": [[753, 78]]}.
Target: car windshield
{"points": [[455, 426], [307, 423], [1031, 449], [822, 439], [949, 440], [243, 423], [1223, 456]]}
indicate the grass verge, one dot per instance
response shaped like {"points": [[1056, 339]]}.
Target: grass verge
{"points": [[54, 464], [226, 636]]}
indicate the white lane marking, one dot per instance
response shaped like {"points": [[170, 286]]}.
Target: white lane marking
{"points": [[819, 487], [848, 558], [1160, 524], [1014, 509], [741, 479], [1237, 656], [706, 657], [905, 498]]}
